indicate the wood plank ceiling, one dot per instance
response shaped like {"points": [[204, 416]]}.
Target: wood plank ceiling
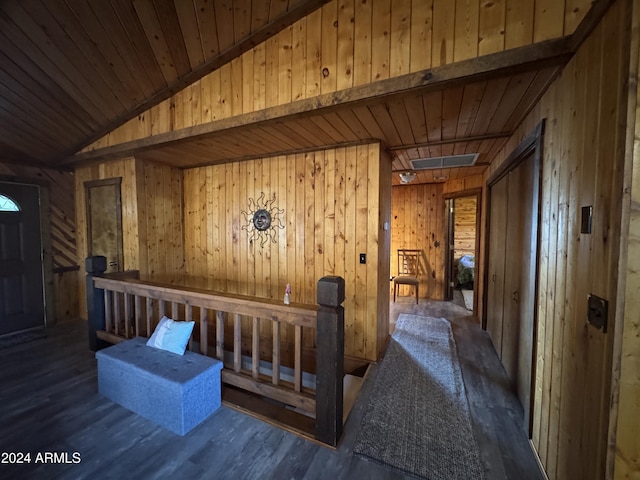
{"points": [[73, 70], [475, 117]]}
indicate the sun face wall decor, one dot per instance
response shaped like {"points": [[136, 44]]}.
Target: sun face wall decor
{"points": [[263, 219]]}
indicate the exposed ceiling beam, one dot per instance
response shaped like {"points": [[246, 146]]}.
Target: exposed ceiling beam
{"points": [[551, 53]]}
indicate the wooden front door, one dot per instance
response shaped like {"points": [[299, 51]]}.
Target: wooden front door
{"points": [[104, 222], [21, 283]]}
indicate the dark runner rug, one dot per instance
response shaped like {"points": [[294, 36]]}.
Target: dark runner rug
{"points": [[417, 420]]}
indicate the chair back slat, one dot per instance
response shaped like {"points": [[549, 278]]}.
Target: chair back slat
{"points": [[408, 262], [408, 271]]}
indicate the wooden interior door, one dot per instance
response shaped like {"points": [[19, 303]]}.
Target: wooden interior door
{"points": [[510, 314], [104, 222], [21, 281], [450, 247], [525, 303], [496, 262], [514, 271]]}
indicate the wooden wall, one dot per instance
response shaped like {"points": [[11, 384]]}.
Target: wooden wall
{"points": [[151, 218], [333, 206], [583, 155], [625, 447], [59, 231], [160, 226], [418, 223], [348, 43], [461, 185]]}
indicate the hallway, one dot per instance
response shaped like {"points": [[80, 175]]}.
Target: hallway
{"points": [[496, 412]]}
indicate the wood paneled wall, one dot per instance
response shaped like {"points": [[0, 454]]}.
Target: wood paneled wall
{"points": [[626, 429], [160, 226], [583, 155], [334, 208], [459, 185], [332, 205], [151, 218], [418, 223], [60, 230], [348, 43]]}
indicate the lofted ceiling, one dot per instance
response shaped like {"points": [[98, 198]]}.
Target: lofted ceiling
{"points": [[73, 70]]}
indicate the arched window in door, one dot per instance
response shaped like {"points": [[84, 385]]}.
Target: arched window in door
{"points": [[8, 205]]}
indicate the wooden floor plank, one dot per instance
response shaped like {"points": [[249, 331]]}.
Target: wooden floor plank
{"points": [[50, 404]]}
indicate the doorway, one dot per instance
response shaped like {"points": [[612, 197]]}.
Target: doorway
{"points": [[104, 221], [21, 274], [510, 314], [462, 227]]}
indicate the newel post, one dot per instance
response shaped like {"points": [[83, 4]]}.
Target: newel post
{"points": [[95, 267], [329, 360]]}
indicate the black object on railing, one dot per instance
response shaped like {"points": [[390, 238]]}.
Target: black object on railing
{"points": [[329, 360], [95, 267]]}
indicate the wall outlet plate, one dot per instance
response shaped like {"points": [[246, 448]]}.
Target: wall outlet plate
{"points": [[598, 310]]}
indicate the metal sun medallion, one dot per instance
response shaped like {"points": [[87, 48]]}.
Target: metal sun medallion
{"points": [[263, 219]]}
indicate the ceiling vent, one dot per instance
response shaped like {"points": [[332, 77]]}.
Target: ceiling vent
{"points": [[452, 161]]}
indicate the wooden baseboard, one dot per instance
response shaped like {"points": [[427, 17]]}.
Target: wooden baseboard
{"points": [[535, 454]]}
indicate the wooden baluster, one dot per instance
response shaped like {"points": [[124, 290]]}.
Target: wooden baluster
{"points": [[204, 335], [188, 313], [108, 310], [127, 315], [255, 348], [275, 360], [297, 369], [174, 310], [138, 314], [237, 342], [116, 312], [161, 310], [220, 335], [149, 316]]}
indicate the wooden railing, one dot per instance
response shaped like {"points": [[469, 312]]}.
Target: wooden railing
{"points": [[123, 307]]}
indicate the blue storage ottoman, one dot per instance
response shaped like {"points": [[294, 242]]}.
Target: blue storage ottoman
{"points": [[175, 391]]}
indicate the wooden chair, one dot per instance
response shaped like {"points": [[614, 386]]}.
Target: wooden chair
{"points": [[408, 262]]}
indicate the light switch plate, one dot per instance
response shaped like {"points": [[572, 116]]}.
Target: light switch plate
{"points": [[586, 219]]}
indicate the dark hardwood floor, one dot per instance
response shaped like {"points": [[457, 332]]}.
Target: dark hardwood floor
{"points": [[50, 406]]}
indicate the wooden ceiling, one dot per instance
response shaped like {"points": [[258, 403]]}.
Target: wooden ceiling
{"points": [[73, 70], [469, 107], [476, 117]]}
